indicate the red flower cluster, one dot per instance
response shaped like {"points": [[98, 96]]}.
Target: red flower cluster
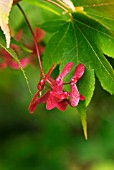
{"points": [[7, 59], [56, 96]]}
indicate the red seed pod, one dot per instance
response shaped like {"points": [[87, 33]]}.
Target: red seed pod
{"points": [[56, 96], [74, 93]]}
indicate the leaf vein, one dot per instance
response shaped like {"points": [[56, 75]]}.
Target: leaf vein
{"points": [[95, 53]]}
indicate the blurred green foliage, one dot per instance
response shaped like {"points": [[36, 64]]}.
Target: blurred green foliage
{"points": [[50, 140]]}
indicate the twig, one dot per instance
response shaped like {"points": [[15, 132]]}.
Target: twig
{"points": [[35, 41]]}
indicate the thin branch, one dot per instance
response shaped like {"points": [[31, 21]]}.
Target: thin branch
{"points": [[35, 41]]}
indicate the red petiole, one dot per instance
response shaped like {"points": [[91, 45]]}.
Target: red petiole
{"points": [[35, 41]]}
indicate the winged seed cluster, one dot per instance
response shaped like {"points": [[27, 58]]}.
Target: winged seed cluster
{"points": [[55, 96]]}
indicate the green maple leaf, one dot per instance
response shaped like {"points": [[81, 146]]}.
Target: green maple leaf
{"points": [[101, 8], [83, 39]]}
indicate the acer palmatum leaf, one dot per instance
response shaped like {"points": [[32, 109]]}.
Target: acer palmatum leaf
{"points": [[5, 8]]}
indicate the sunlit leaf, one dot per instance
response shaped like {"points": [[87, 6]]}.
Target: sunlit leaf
{"points": [[5, 8], [101, 10]]}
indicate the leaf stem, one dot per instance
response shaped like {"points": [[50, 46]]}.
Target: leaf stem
{"points": [[58, 5], [63, 4], [35, 41]]}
